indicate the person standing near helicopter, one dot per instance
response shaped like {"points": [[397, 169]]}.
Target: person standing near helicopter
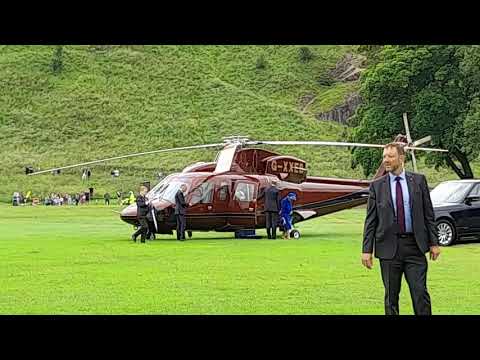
{"points": [[272, 207], [180, 212], [286, 213], [142, 211]]}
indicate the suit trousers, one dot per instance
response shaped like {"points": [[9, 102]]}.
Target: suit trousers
{"points": [[143, 229], [181, 223], [271, 218], [408, 260]]}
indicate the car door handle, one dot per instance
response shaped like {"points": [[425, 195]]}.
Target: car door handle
{"points": [[209, 207]]}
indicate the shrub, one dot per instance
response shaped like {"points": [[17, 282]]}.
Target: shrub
{"points": [[261, 63], [325, 79], [57, 60], [305, 54]]}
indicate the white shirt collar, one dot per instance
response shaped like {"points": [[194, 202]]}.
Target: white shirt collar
{"points": [[393, 176]]}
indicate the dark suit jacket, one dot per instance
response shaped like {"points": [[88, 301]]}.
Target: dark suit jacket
{"points": [[381, 228], [142, 207], [180, 204], [272, 199]]}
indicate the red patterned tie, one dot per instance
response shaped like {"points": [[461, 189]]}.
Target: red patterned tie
{"points": [[400, 209]]}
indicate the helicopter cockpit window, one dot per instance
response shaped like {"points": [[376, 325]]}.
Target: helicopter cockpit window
{"points": [[167, 190], [244, 192], [157, 191], [202, 194]]}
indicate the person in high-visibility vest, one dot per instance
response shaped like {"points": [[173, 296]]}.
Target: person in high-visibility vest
{"points": [[27, 197], [131, 199]]}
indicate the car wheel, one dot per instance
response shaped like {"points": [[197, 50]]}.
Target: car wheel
{"points": [[446, 232], [295, 234]]}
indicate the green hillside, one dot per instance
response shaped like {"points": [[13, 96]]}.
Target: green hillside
{"points": [[114, 100]]}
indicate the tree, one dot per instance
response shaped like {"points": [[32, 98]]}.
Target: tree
{"points": [[371, 52], [431, 84]]}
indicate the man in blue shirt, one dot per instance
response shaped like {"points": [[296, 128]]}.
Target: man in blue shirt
{"points": [[405, 196], [400, 229]]}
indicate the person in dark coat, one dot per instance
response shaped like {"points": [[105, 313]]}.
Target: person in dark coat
{"points": [[107, 198], [142, 211], [271, 207], [400, 229], [180, 212]]}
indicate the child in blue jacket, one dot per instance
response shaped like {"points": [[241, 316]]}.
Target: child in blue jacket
{"points": [[286, 213]]}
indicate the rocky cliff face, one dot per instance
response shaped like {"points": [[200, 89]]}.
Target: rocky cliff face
{"points": [[341, 113], [347, 69]]}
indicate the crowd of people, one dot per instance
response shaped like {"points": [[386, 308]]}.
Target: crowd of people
{"points": [[59, 199]]}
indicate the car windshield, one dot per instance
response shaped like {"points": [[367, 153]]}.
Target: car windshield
{"points": [[166, 189], [450, 192]]}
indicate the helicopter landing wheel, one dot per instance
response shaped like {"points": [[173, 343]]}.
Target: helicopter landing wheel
{"points": [[189, 233], [295, 234]]}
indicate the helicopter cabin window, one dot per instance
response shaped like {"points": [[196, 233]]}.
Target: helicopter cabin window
{"points": [[202, 194], [244, 192], [223, 192]]}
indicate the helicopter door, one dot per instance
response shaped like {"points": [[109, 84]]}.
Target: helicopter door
{"points": [[221, 202], [243, 205], [200, 214]]}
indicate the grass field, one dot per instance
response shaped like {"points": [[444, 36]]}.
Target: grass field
{"points": [[79, 260]]}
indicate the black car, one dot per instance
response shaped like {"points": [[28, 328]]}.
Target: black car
{"points": [[457, 210]]}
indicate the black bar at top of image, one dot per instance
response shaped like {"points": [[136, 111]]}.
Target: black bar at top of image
{"points": [[323, 26]]}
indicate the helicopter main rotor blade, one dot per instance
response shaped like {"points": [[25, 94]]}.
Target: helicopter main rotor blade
{"points": [[423, 149], [422, 140], [336, 143], [128, 156], [321, 143]]}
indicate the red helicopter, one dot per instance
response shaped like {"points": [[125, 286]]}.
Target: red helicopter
{"points": [[222, 195]]}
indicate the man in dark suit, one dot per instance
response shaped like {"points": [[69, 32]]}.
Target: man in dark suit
{"points": [[271, 207], [180, 212], [400, 229], [142, 211]]}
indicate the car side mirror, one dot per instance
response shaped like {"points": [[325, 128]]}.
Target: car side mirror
{"points": [[470, 199]]}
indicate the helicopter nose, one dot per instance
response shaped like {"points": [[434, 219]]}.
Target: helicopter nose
{"points": [[129, 214]]}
